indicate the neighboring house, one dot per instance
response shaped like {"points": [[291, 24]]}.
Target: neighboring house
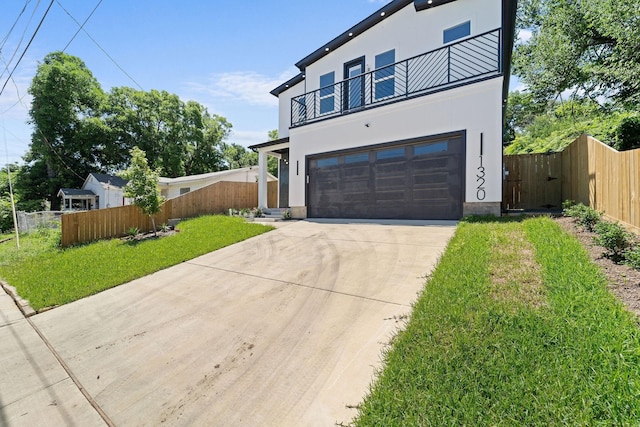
{"points": [[400, 116], [174, 187], [98, 191]]}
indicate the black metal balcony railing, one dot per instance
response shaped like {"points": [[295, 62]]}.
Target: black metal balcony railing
{"points": [[467, 60]]}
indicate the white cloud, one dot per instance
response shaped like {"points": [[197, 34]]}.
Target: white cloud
{"points": [[15, 101], [248, 137], [248, 86]]}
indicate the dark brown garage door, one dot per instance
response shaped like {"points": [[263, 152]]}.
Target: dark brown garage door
{"points": [[420, 180]]}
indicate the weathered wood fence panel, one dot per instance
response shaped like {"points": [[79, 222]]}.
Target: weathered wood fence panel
{"points": [[534, 181], [86, 226], [590, 172]]}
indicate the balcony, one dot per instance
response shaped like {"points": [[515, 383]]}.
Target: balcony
{"points": [[463, 62]]}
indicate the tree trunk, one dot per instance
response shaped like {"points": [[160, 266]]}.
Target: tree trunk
{"points": [[153, 223]]}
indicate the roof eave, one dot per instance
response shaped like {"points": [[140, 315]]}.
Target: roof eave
{"points": [[353, 32], [287, 85], [269, 143]]}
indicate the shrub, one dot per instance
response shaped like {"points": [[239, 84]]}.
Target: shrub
{"points": [[632, 257], [257, 212], [585, 215], [133, 232], [613, 238], [627, 134]]}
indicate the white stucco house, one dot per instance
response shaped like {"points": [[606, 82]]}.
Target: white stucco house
{"points": [[400, 116], [98, 191], [174, 187]]}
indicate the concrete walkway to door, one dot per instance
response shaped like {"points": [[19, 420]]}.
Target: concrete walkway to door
{"points": [[284, 329]]}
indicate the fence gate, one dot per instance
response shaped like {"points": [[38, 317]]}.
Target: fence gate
{"points": [[533, 182]]}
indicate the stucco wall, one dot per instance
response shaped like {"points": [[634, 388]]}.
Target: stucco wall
{"points": [[476, 109], [409, 32]]}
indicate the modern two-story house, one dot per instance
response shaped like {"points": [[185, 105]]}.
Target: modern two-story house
{"points": [[399, 117]]}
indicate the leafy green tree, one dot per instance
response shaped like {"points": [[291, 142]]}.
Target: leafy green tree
{"points": [[589, 47], [179, 138], [204, 135], [22, 204], [143, 185], [521, 112], [556, 128], [236, 156], [69, 139]]}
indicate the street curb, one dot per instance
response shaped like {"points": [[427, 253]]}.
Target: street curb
{"points": [[23, 304]]}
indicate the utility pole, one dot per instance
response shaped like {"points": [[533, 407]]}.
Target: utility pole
{"points": [[13, 208]]}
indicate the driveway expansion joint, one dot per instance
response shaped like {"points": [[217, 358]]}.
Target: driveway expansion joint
{"points": [[301, 285], [71, 375]]}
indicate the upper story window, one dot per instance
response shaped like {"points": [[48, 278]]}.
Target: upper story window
{"points": [[327, 92], [457, 32], [384, 76]]}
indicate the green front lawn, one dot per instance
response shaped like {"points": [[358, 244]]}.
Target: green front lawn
{"points": [[515, 327], [48, 276]]}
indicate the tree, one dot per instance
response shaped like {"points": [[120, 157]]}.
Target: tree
{"points": [[179, 138], [554, 129], [204, 135], [143, 185], [589, 47], [69, 140]]}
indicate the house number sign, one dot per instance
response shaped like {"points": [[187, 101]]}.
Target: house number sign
{"points": [[481, 192]]}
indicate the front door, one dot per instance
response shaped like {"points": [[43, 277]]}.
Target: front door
{"points": [[354, 84]]}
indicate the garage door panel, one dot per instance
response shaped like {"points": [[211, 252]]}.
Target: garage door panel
{"points": [[422, 180], [427, 179]]}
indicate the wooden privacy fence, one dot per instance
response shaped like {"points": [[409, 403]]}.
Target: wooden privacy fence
{"points": [[86, 226], [587, 171]]}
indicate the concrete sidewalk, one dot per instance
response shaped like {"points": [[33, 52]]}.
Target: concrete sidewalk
{"points": [[283, 329], [35, 390]]}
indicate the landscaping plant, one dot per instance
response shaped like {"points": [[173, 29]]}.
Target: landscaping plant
{"points": [[584, 215], [614, 238], [632, 257]]}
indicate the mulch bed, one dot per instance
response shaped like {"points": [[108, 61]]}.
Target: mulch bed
{"points": [[624, 281]]}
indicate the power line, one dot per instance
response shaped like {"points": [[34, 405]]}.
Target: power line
{"points": [[6, 68], [100, 47], [4, 40], [81, 26], [27, 47]]}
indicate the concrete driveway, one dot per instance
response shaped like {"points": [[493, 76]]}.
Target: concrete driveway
{"points": [[284, 329]]}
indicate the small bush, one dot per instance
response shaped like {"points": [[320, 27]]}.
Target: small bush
{"points": [[632, 257], [133, 232], [257, 212], [627, 134], [286, 215], [586, 216], [613, 238]]}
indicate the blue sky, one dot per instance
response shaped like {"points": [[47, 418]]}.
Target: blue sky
{"points": [[225, 55]]}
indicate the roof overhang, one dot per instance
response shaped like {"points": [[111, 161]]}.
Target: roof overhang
{"points": [[283, 142], [353, 32], [428, 4], [74, 193], [288, 84]]}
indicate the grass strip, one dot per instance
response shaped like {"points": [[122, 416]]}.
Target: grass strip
{"points": [[547, 345], [48, 276]]}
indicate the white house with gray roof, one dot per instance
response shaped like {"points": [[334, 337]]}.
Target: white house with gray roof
{"points": [[98, 191], [400, 116]]}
